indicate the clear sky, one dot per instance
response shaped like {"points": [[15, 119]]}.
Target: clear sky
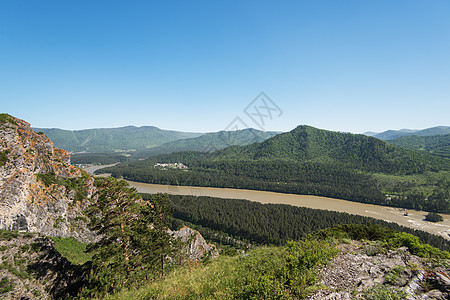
{"points": [[196, 65]]}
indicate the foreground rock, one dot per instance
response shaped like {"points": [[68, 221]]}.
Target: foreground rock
{"points": [[39, 190], [363, 269], [196, 247], [31, 268]]}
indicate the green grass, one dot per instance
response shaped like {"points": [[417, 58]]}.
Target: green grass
{"points": [[263, 273], [72, 249], [380, 292]]}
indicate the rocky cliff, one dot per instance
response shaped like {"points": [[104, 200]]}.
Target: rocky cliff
{"points": [[196, 247], [366, 270], [31, 268], [39, 190]]}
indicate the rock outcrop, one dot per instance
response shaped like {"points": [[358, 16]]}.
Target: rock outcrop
{"points": [[39, 190], [196, 247], [33, 269], [359, 270]]}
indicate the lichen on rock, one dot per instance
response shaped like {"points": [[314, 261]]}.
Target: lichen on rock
{"points": [[28, 203], [196, 247]]}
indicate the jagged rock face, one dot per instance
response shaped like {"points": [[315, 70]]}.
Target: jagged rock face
{"points": [[196, 247], [41, 272], [29, 203], [357, 269]]}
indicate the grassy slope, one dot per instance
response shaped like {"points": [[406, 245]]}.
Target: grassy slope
{"points": [[260, 273], [72, 249], [288, 272]]}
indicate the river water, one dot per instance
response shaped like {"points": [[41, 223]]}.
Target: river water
{"points": [[409, 218]]}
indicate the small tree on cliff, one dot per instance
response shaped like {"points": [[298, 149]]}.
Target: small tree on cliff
{"points": [[134, 238]]}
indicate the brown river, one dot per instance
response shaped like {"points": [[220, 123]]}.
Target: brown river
{"points": [[409, 218]]}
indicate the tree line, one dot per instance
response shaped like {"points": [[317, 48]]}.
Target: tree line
{"points": [[230, 220]]}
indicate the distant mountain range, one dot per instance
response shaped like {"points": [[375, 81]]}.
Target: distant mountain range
{"points": [[209, 142], [393, 134], [147, 141], [129, 138]]}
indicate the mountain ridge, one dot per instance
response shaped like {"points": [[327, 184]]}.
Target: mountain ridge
{"points": [[393, 134], [125, 138], [209, 142], [308, 143]]}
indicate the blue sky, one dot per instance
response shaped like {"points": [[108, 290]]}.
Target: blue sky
{"points": [[195, 65]]}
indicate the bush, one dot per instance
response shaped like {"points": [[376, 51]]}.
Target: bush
{"points": [[390, 239], [47, 178]]}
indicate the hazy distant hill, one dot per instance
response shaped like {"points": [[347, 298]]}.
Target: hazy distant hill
{"points": [[112, 139], [436, 144], [393, 134], [308, 160], [209, 142]]}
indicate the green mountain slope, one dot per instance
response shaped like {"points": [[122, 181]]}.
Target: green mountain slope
{"points": [[308, 160], [309, 144], [112, 139], [393, 134], [209, 142], [436, 144]]}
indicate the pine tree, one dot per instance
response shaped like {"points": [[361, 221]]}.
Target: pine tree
{"points": [[134, 241]]}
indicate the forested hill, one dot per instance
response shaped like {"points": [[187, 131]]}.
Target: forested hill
{"points": [[436, 144], [308, 160], [307, 144], [209, 142], [112, 139]]}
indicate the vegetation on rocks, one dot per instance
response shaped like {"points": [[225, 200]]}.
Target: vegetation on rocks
{"points": [[5, 118], [3, 157]]}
